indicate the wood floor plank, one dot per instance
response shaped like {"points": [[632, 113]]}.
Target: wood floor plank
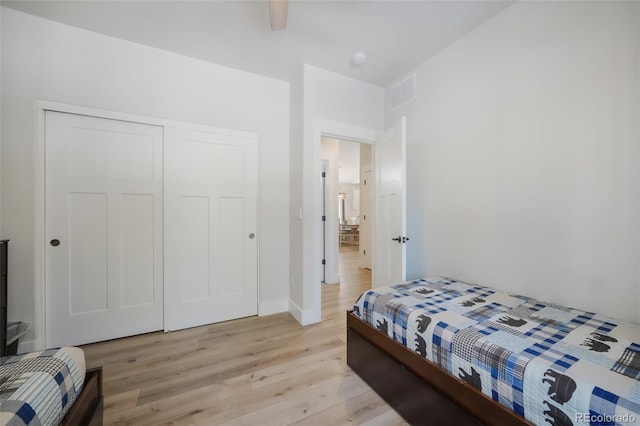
{"points": [[158, 411], [194, 376], [121, 401], [269, 375], [233, 408], [357, 410], [132, 347], [304, 404], [224, 359]]}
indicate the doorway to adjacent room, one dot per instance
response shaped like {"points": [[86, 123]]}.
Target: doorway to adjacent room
{"points": [[347, 172]]}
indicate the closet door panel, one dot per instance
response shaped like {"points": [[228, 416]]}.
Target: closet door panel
{"points": [[137, 250], [211, 193], [103, 229], [193, 260]]}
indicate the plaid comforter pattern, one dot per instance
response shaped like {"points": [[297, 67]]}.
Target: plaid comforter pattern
{"points": [[549, 363], [37, 388]]}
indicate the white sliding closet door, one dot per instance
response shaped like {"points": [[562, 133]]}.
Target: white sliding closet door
{"points": [[211, 192], [103, 229]]}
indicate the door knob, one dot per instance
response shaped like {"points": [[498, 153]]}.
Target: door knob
{"points": [[399, 239], [252, 235], [55, 242]]}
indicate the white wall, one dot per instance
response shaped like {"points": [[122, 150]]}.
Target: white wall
{"points": [[349, 162], [523, 156], [347, 104], [50, 61]]}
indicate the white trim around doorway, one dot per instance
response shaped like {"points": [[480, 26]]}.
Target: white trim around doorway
{"points": [[313, 245]]}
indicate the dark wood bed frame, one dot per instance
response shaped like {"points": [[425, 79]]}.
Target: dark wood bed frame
{"points": [[88, 407], [404, 379]]}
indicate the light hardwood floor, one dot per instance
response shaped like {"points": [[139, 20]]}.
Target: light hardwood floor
{"points": [[252, 371]]}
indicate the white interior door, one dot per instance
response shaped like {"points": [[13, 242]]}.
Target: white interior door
{"points": [[103, 229], [210, 227], [390, 218]]}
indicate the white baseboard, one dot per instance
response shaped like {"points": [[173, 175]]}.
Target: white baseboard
{"points": [[332, 279], [30, 346], [273, 307], [304, 317]]}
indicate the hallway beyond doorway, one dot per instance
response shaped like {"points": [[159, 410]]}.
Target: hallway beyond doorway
{"points": [[354, 280]]}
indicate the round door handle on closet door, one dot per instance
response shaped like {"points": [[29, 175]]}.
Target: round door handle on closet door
{"points": [[252, 236], [55, 242]]}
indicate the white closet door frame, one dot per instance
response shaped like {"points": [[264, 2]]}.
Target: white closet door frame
{"points": [[39, 203]]}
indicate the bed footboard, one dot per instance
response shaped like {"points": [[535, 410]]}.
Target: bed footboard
{"points": [[417, 389], [88, 407]]}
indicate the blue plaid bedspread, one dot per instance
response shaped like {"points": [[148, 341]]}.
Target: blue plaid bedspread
{"points": [[37, 388], [551, 364]]}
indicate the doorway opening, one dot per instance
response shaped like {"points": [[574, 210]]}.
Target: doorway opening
{"points": [[347, 173]]}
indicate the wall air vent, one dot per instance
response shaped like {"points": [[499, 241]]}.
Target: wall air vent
{"points": [[402, 92]]}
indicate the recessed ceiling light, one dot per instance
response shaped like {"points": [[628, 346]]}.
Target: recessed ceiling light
{"points": [[358, 58]]}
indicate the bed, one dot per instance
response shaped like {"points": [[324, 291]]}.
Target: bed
{"points": [[506, 359], [50, 387]]}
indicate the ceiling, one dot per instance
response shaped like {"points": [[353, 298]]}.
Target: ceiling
{"points": [[396, 35]]}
